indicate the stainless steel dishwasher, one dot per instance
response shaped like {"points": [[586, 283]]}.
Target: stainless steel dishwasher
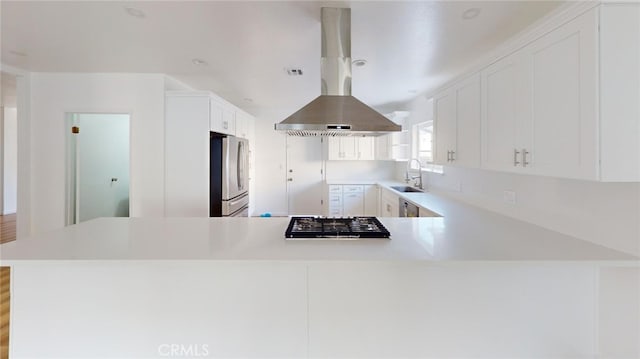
{"points": [[408, 209]]}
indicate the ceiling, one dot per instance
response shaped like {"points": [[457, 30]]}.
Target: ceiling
{"points": [[410, 47]]}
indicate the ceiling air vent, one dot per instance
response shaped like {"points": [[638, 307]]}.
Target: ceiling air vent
{"points": [[294, 72]]}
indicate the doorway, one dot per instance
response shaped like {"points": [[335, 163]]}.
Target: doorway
{"points": [[97, 166], [304, 175], [8, 158]]}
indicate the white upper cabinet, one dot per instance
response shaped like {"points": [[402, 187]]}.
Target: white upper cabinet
{"points": [[457, 124], [504, 113], [620, 92], [350, 148], [394, 146], [244, 122], [223, 117], [544, 107], [561, 134]]}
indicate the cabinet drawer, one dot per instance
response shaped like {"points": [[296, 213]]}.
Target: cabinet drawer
{"points": [[352, 188], [335, 198], [335, 212], [335, 188]]}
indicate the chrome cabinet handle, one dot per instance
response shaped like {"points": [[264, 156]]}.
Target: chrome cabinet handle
{"points": [[453, 158], [515, 158], [448, 156], [524, 157], [290, 179]]}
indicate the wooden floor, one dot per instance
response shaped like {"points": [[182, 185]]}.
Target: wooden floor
{"points": [[7, 228], [4, 312]]}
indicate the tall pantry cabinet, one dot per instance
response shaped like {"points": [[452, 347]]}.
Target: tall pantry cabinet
{"points": [[190, 116]]}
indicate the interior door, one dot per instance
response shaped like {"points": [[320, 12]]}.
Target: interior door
{"points": [[101, 165], [304, 175]]}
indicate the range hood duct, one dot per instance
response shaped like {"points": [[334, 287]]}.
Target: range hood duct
{"points": [[335, 112]]}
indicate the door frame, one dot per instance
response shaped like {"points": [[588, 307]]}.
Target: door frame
{"points": [[71, 214]]}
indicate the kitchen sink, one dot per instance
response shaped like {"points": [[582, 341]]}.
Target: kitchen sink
{"points": [[406, 189]]}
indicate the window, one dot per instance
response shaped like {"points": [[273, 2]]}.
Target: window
{"points": [[423, 146]]}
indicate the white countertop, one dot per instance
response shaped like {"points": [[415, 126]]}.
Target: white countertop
{"points": [[464, 233]]}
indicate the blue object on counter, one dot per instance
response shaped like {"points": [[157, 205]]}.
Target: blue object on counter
{"points": [[266, 214]]}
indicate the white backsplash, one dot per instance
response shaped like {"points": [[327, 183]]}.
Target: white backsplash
{"points": [[359, 170], [603, 213]]}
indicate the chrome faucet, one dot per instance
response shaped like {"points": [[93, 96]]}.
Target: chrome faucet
{"points": [[408, 178]]}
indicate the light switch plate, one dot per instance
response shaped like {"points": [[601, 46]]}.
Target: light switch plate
{"points": [[509, 197]]}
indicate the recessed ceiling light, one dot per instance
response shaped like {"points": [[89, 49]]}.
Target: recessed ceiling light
{"points": [[135, 12], [359, 63], [199, 62], [471, 13]]}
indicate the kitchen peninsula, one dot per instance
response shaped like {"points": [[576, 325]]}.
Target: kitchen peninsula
{"points": [[236, 287]]}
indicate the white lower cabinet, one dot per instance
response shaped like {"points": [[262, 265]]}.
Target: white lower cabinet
{"points": [[370, 200], [389, 203], [352, 200]]}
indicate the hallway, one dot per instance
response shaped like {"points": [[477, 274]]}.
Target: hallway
{"points": [[7, 228]]}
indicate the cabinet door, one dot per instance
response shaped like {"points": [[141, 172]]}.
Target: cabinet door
{"points": [[187, 137], [383, 147], [229, 120], [389, 206], [366, 148], [619, 110], [335, 205], [467, 140], [216, 116], [503, 96], [342, 148], [370, 200], [333, 149], [242, 125], [444, 126], [223, 117], [563, 70], [349, 148], [353, 204]]}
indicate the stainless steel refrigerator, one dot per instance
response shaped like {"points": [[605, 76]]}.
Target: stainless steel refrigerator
{"points": [[229, 179]]}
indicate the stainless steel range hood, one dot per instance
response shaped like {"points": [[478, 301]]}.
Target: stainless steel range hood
{"points": [[335, 112]]}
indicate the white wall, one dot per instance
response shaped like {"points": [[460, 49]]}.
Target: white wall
{"points": [[603, 213], [359, 170], [270, 165], [53, 95], [10, 160]]}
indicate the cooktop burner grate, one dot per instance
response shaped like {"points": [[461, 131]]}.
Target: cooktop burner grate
{"points": [[348, 227]]}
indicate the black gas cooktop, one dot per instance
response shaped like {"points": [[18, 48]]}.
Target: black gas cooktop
{"points": [[346, 227]]}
